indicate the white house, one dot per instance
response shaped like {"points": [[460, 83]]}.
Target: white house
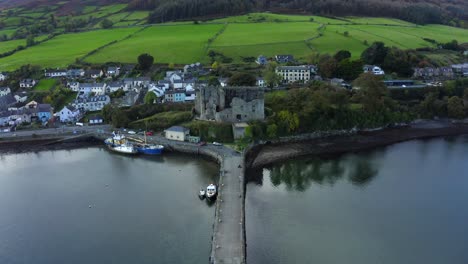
{"points": [[69, 114], [95, 73], [55, 73], [3, 76], [166, 83], [4, 91], [177, 133], [75, 73], [97, 88], [190, 96], [223, 81], [74, 86], [113, 71], [21, 96], [93, 103], [28, 83], [96, 120], [376, 70], [115, 86], [260, 82]]}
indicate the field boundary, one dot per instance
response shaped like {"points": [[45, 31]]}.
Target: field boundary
{"points": [[80, 60]]}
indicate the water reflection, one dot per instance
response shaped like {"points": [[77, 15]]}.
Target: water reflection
{"points": [[298, 175]]}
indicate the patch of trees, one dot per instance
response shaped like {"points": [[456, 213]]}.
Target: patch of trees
{"points": [[416, 11], [145, 61]]}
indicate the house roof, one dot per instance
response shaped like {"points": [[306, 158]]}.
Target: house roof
{"points": [[44, 107], [4, 88], [300, 68], [96, 117], [177, 129], [6, 101], [94, 71], [112, 69]]}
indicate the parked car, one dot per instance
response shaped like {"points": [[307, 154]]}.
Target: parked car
{"points": [[201, 143], [149, 133], [217, 143], [131, 132]]}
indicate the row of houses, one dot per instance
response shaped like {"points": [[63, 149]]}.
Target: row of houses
{"points": [[31, 112], [453, 71], [80, 73], [286, 58]]}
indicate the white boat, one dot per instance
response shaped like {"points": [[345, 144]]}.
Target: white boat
{"points": [[202, 193], [119, 143], [211, 191]]}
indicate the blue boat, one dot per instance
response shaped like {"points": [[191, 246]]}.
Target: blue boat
{"points": [[150, 149]]}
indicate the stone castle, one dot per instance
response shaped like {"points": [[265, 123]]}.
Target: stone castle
{"points": [[230, 104]]}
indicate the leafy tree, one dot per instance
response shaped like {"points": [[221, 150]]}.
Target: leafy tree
{"points": [[145, 61], [375, 54], [398, 61], [341, 55], [106, 23], [349, 70], [372, 92], [290, 120], [30, 41], [327, 66], [272, 78], [215, 65], [242, 79], [150, 98], [272, 131], [455, 107], [213, 81], [171, 66]]}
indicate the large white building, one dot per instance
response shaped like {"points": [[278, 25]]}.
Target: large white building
{"points": [[290, 74], [69, 114]]}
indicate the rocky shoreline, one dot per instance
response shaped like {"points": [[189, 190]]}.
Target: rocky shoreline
{"points": [[269, 153]]}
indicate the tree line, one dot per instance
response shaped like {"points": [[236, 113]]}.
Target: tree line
{"points": [[420, 12]]}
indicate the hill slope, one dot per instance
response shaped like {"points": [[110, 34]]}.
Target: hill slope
{"points": [[417, 11]]}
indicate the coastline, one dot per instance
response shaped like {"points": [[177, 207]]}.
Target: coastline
{"points": [[266, 154]]}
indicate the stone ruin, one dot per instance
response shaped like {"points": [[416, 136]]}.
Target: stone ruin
{"points": [[230, 104]]}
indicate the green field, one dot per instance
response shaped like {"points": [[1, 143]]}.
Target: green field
{"points": [[11, 45], [177, 44], [45, 85], [379, 21], [244, 36], [138, 15], [64, 49]]}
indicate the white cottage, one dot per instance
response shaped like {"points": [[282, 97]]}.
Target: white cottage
{"points": [[177, 133], [69, 114]]}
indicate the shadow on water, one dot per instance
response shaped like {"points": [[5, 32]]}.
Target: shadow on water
{"points": [[300, 174]]}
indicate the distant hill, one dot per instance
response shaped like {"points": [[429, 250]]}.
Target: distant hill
{"points": [[451, 12]]}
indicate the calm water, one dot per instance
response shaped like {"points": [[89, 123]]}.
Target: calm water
{"points": [[405, 204], [143, 210]]}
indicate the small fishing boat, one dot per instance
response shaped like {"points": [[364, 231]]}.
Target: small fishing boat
{"points": [[119, 143], [201, 194], [211, 191], [149, 149]]}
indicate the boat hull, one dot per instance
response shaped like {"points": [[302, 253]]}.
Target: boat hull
{"points": [[122, 150], [150, 149]]}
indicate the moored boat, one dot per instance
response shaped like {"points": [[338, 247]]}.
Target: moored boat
{"points": [[150, 149], [201, 194], [119, 143], [211, 191]]}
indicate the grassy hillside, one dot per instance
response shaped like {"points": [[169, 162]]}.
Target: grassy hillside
{"points": [[236, 37]]}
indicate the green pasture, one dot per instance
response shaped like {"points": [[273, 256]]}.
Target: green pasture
{"points": [[137, 15], [118, 17], [110, 9], [7, 32], [11, 45], [266, 33], [270, 17], [379, 21], [176, 44], [45, 85], [64, 49], [331, 42]]}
